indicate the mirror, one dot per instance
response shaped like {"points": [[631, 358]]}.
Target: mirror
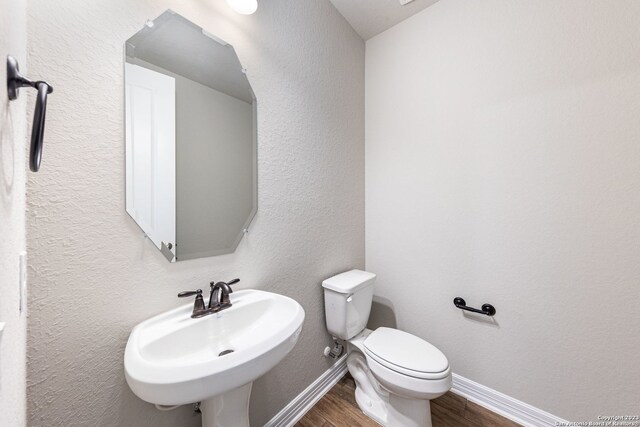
{"points": [[191, 139]]}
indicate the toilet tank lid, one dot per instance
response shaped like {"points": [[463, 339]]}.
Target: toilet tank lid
{"points": [[349, 281]]}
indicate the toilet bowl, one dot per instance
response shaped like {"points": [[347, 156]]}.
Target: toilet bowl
{"points": [[396, 373]]}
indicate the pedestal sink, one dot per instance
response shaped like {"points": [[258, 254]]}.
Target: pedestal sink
{"points": [[172, 359]]}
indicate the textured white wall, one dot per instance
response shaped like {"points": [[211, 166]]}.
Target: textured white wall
{"points": [[12, 219], [502, 165], [93, 276]]}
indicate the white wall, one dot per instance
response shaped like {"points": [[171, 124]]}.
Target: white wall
{"points": [[93, 276], [12, 219], [503, 166]]}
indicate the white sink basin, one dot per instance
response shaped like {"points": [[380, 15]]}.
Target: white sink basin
{"points": [[172, 359]]}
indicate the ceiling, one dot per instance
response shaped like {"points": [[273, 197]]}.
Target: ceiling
{"points": [[371, 17]]}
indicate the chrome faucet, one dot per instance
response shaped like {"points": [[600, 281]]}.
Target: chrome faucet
{"points": [[218, 298]]}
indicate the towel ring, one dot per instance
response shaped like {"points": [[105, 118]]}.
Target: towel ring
{"points": [[15, 81]]}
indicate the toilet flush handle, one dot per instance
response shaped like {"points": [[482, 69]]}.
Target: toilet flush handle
{"points": [[350, 298]]}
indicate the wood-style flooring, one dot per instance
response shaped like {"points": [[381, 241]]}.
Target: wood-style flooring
{"points": [[338, 408]]}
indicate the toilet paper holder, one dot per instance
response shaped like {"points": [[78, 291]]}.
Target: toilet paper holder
{"points": [[486, 309]]}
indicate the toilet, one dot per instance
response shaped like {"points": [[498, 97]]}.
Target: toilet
{"points": [[396, 373]]}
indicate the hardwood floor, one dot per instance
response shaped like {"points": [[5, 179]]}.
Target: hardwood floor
{"points": [[338, 408]]}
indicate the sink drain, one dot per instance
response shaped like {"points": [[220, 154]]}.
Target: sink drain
{"points": [[222, 353]]}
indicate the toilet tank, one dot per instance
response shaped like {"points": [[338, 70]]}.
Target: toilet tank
{"points": [[347, 302]]}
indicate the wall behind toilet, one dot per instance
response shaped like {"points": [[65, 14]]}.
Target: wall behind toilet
{"points": [[13, 343], [502, 166], [93, 275]]}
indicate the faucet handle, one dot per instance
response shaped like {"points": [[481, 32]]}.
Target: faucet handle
{"points": [[185, 294], [229, 283], [225, 286], [199, 309]]}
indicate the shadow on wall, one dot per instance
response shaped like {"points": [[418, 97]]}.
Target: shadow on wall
{"points": [[382, 314], [481, 318]]}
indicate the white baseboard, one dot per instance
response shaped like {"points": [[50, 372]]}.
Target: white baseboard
{"points": [[299, 406], [486, 397], [504, 405]]}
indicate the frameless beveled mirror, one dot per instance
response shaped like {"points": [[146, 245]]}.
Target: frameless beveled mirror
{"points": [[191, 139]]}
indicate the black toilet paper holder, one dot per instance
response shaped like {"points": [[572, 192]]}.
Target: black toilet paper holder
{"points": [[15, 81], [486, 309]]}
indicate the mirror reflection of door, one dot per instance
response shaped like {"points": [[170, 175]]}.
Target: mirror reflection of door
{"points": [[151, 153]]}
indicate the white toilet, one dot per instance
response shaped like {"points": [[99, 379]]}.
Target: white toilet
{"points": [[396, 373]]}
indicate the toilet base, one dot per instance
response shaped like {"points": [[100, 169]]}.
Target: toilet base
{"points": [[370, 397], [408, 412], [385, 408]]}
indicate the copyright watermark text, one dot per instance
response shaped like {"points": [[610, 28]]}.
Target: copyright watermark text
{"points": [[606, 421]]}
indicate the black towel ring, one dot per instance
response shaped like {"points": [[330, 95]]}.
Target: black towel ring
{"points": [[15, 81]]}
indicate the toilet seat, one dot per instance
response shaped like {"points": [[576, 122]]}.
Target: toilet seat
{"points": [[407, 386], [406, 354]]}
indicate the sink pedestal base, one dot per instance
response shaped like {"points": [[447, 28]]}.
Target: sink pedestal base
{"points": [[230, 409]]}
